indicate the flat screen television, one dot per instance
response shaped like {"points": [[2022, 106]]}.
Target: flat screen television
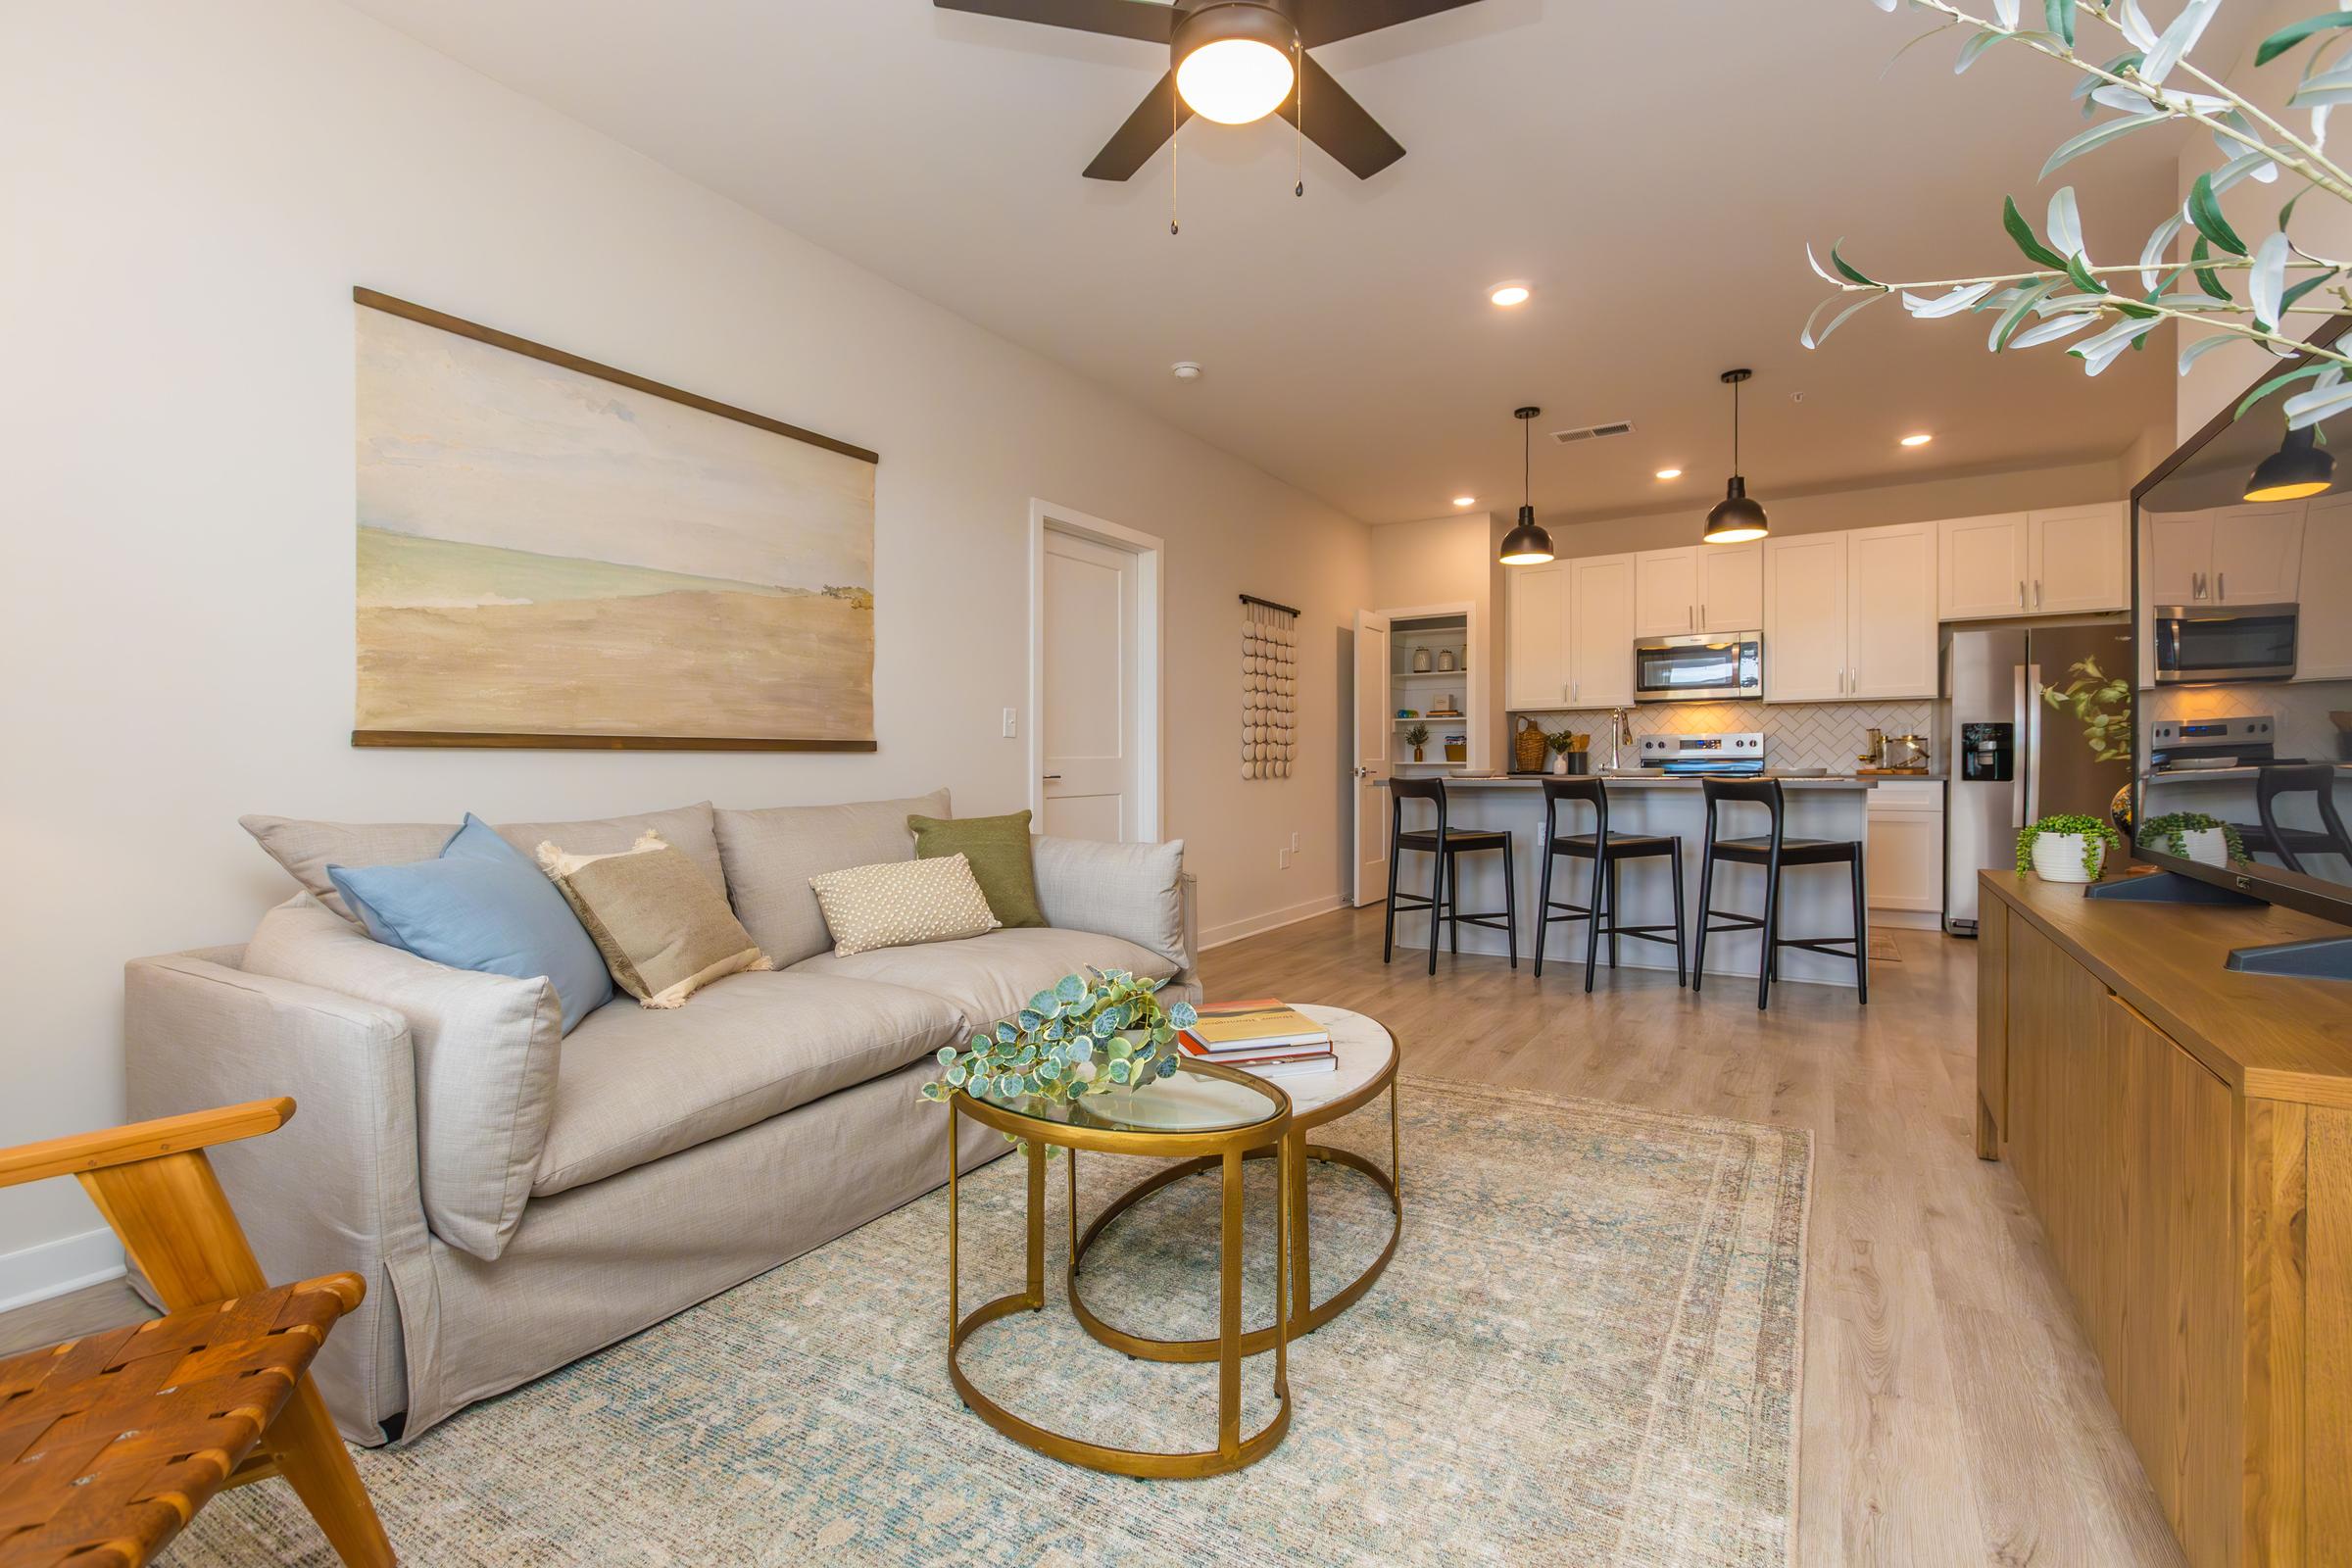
{"points": [[2242, 624]]}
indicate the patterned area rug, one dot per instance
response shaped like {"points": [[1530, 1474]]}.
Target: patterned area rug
{"points": [[1587, 1350]]}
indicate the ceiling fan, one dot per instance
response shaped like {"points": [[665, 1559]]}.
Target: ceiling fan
{"points": [[1233, 60]]}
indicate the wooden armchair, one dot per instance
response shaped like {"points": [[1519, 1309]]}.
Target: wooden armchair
{"points": [[110, 1443]]}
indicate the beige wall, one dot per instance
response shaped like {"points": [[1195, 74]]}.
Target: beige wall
{"points": [[191, 193]]}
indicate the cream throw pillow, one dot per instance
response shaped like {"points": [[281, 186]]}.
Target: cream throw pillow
{"points": [[903, 902], [664, 929]]}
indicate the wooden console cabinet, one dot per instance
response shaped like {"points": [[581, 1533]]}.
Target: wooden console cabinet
{"points": [[2185, 1135]]}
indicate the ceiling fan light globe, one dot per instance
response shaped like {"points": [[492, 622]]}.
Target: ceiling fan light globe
{"points": [[1234, 80]]}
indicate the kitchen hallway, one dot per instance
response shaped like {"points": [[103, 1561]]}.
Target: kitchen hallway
{"points": [[1952, 1413]]}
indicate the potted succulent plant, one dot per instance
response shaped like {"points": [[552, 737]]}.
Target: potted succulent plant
{"points": [[1091, 1034], [2194, 836], [1417, 737], [2067, 848]]}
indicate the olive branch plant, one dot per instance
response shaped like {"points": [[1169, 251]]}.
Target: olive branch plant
{"points": [[2152, 82]]}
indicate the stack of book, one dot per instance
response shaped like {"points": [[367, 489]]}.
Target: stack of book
{"points": [[1263, 1036]]}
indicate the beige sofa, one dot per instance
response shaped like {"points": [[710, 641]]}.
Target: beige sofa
{"points": [[517, 1197]]}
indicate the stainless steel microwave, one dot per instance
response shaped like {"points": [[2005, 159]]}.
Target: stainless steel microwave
{"points": [[2200, 643], [1700, 667]]}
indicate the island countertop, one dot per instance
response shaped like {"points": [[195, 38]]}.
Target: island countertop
{"points": [[1529, 781]]}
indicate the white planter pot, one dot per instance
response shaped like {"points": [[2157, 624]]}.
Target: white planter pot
{"points": [[2060, 857], [1559, 764], [2208, 846]]}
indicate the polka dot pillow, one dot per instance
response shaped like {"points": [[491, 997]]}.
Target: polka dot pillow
{"points": [[901, 904]]}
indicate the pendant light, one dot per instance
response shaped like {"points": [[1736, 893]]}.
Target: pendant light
{"points": [[1736, 519], [2298, 468], [1527, 545]]}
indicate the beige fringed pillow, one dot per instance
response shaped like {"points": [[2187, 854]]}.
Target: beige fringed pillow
{"points": [[665, 930], [903, 902]]}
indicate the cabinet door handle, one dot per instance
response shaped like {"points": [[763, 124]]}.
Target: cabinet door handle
{"points": [[1702, 616], [2224, 594], [2021, 593], [2038, 592]]}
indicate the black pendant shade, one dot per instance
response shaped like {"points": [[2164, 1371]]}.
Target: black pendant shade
{"points": [[1527, 545], [2298, 468], [1736, 519]]}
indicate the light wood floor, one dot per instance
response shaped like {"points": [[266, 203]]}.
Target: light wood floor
{"points": [[1952, 1413]]}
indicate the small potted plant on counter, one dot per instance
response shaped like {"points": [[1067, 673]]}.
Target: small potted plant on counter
{"points": [[1417, 737], [2067, 848], [2194, 836], [1567, 751]]}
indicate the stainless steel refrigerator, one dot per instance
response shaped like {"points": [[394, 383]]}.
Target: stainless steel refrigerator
{"points": [[2014, 758]]}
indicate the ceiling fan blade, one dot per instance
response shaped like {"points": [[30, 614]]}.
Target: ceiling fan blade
{"points": [[1153, 121], [1342, 127], [1322, 21], [1119, 18]]}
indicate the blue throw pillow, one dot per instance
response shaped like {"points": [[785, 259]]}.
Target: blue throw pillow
{"points": [[481, 906]]}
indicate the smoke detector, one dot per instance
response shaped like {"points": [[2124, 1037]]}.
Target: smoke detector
{"points": [[1185, 370], [1593, 432]]}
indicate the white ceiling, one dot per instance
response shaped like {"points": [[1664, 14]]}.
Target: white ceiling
{"points": [[1653, 169]]}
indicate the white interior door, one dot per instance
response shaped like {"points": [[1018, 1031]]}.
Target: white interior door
{"points": [[1375, 755], [1091, 716]]}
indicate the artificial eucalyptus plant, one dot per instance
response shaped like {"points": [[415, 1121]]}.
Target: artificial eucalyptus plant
{"points": [[2281, 288], [1092, 1033], [2170, 833], [2101, 704]]}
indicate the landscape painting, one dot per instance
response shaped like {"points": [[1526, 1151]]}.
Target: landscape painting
{"points": [[556, 554]]}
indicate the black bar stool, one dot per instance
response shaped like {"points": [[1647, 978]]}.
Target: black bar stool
{"points": [[1444, 880], [2290, 844], [1605, 849], [1775, 851]]}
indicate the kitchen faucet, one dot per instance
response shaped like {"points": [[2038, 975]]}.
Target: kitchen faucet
{"points": [[1621, 734]]}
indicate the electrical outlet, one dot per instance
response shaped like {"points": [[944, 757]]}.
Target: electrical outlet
{"points": [[1012, 724]]}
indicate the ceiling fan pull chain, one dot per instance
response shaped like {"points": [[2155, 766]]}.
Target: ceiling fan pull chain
{"points": [[1299, 75]]}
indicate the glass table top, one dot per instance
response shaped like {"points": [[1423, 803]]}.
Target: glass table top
{"points": [[1188, 1102]]}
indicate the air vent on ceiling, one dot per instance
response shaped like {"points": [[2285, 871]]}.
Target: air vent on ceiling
{"points": [[1593, 431]]}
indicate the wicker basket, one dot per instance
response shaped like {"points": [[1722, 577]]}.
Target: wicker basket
{"points": [[1527, 747]]}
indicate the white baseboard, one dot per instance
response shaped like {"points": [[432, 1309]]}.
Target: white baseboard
{"points": [[32, 1274], [1254, 925], [1907, 919]]}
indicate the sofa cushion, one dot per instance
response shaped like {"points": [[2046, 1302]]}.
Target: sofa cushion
{"points": [[1134, 890], [991, 977], [639, 1084], [306, 848], [662, 926], [998, 848], [770, 854], [486, 1047]]}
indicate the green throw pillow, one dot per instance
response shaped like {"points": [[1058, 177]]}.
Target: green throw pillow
{"points": [[998, 848]]}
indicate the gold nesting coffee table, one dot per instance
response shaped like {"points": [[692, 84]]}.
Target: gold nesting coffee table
{"points": [[1206, 1118]]}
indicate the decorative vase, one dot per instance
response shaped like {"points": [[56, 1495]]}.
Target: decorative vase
{"points": [[1445, 663], [1416, 754], [1420, 661], [1559, 764], [2062, 857], [2208, 846]]}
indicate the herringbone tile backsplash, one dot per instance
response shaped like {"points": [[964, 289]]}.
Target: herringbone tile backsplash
{"points": [[1795, 734]]}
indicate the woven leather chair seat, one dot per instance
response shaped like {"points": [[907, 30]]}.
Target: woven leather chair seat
{"points": [[110, 1443]]}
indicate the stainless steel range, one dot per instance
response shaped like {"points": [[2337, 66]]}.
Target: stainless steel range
{"points": [[1735, 755]]}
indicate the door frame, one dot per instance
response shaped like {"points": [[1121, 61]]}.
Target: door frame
{"points": [[1150, 552]]}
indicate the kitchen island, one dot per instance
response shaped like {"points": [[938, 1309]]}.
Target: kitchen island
{"points": [[1815, 901]]}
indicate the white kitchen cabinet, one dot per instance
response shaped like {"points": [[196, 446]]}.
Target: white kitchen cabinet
{"points": [[1666, 592], [1731, 587], [2176, 559], [1890, 637], [2324, 630], [2249, 555], [2257, 553], [2078, 558], [1902, 856], [1983, 566], [1804, 618], [1536, 663], [1600, 631]]}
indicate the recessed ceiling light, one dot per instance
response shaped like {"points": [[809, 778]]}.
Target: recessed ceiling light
{"points": [[1507, 295], [1919, 440], [1670, 473], [1465, 501], [1185, 370]]}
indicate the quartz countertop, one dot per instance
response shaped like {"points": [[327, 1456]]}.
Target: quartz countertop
{"points": [[1529, 781]]}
